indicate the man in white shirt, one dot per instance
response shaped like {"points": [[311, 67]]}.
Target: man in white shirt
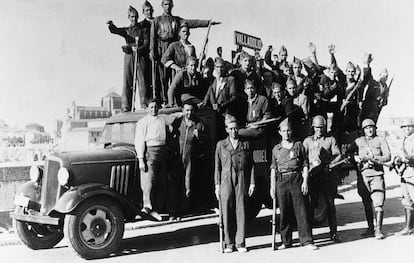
{"points": [[150, 140]]}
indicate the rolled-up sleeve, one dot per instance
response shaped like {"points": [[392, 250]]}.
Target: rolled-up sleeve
{"points": [[274, 159]]}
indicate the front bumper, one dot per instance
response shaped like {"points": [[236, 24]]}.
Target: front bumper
{"points": [[35, 218]]}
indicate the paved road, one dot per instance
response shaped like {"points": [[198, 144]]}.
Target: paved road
{"points": [[197, 241]]}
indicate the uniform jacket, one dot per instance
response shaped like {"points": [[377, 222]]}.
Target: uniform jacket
{"points": [[321, 151], [176, 54], [376, 146], [258, 109], [230, 162]]}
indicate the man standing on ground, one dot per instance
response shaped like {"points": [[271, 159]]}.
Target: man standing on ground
{"points": [[322, 150], [372, 153], [289, 182], [234, 181], [405, 163]]}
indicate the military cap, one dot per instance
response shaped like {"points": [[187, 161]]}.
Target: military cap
{"points": [[297, 61], [229, 119], [367, 122], [350, 65], [147, 4], [282, 49], [285, 123], [407, 122], [131, 9]]}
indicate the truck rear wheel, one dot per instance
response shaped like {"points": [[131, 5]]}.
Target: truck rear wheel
{"points": [[37, 236], [96, 227]]}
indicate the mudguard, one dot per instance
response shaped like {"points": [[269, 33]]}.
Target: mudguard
{"points": [[76, 195]]}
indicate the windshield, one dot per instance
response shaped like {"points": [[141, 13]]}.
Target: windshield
{"points": [[118, 133]]}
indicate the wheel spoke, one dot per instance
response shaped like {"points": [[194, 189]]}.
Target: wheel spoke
{"points": [[100, 213], [99, 240], [108, 226], [87, 235], [87, 219]]}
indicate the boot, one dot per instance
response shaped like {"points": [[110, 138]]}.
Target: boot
{"points": [[379, 215], [369, 232], [409, 220]]}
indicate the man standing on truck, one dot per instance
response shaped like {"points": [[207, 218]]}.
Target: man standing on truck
{"points": [[322, 150], [150, 145], [372, 153], [234, 182], [289, 182]]}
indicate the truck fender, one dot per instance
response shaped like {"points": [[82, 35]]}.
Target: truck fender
{"points": [[68, 202]]}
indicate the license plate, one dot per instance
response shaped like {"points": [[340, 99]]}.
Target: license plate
{"points": [[20, 200]]}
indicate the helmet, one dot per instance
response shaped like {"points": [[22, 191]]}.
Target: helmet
{"points": [[407, 122], [318, 121], [367, 122]]}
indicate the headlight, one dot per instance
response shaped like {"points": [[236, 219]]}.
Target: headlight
{"points": [[63, 176], [35, 173]]}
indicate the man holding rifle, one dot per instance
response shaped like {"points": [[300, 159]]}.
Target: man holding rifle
{"points": [[135, 60], [404, 163], [234, 182], [322, 151], [372, 153]]}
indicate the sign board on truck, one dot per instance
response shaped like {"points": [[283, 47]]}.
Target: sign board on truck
{"points": [[245, 40]]}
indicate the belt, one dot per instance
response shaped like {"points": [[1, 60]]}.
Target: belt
{"points": [[289, 173]]}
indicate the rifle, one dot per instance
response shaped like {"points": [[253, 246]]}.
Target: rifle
{"points": [[134, 85], [351, 94], [221, 227], [336, 164], [153, 69], [204, 48], [274, 223]]}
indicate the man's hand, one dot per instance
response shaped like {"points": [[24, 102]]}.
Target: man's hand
{"points": [[109, 22], [143, 166], [312, 48], [251, 189], [367, 58], [215, 22], [217, 192], [187, 193], [176, 68], [304, 188], [331, 49]]}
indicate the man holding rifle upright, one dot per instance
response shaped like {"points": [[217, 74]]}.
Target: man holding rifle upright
{"points": [[322, 151], [404, 164], [135, 52]]}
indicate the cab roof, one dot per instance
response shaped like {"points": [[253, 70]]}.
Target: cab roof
{"points": [[137, 115]]}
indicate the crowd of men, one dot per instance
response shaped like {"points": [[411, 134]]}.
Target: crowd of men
{"points": [[299, 96]]}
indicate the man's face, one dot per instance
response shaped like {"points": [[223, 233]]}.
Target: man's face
{"points": [[245, 63], [219, 68], [232, 130], [287, 71], [369, 131], [267, 78], [297, 68], [188, 111], [147, 11], [133, 17], [283, 55], [152, 109], [333, 72], [249, 90], [350, 73], [286, 133], [191, 67], [291, 89], [206, 72], [319, 131], [408, 130], [278, 93], [184, 33], [167, 5]]}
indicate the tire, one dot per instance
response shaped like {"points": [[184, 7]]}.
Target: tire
{"points": [[96, 227], [37, 236]]}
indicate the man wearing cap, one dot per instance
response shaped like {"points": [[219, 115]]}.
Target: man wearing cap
{"points": [[131, 34], [234, 182], [289, 182], [404, 164], [150, 145], [372, 152], [163, 32], [147, 11], [322, 150]]}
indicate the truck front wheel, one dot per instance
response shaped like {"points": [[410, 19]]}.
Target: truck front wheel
{"points": [[37, 236], [96, 227]]}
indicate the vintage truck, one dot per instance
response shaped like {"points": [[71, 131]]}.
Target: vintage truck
{"points": [[88, 196]]}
